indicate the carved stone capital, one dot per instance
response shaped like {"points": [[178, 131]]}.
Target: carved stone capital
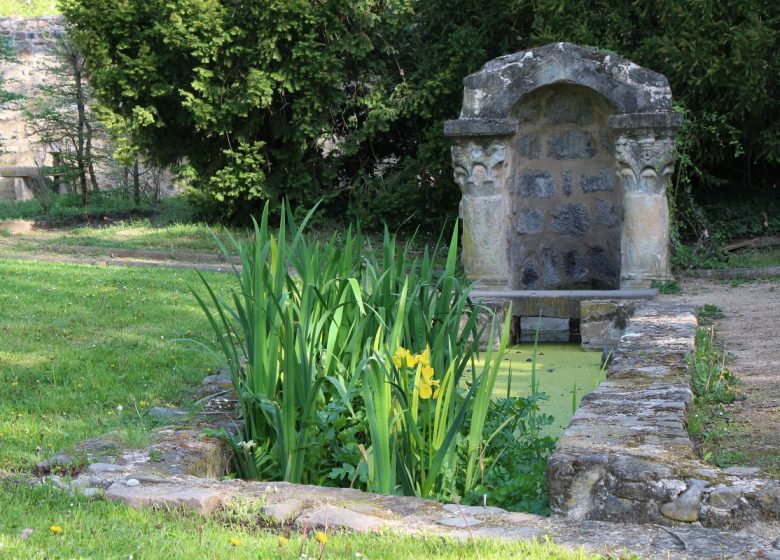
{"points": [[645, 162], [645, 150], [478, 167]]}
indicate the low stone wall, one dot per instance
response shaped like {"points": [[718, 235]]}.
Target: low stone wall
{"points": [[626, 455]]}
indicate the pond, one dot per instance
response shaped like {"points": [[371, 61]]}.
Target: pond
{"points": [[564, 372]]}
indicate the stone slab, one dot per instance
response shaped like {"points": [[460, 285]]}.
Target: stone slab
{"points": [[335, 517], [202, 500], [480, 127]]}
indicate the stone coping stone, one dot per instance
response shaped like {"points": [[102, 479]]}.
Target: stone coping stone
{"points": [[480, 127], [304, 507], [644, 120], [626, 455]]}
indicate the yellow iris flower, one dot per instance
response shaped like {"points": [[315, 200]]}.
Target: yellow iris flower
{"points": [[425, 357], [429, 387], [403, 357]]}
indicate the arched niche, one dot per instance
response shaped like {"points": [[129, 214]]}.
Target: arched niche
{"points": [[562, 154]]}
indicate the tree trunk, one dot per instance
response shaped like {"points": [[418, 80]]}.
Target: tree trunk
{"points": [[136, 183], [90, 160], [80, 162]]}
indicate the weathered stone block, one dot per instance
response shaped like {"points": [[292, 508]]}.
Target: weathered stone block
{"points": [[608, 214], [340, 518], [725, 497], [566, 183], [686, 507], [574, 266], [545, 324], [283, 511], [633, 469], [604, 264], [604, 181], [566, 107], [536, 184], [571, 144], [529, 146], [570, 219], [203, 500], [530, 221], [550, 272], [530, 274]]}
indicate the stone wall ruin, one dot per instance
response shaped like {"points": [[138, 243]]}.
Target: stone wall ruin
{"points": [[563, 154], [33, 40]]}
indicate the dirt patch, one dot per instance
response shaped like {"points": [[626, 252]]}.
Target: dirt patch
{"points": [[748, 331]]}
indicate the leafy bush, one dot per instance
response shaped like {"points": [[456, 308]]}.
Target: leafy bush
{"points": [[355, 362], [514, 460]]}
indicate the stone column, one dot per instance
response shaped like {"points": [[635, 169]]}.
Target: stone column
{"points": [[479, 159], [479, 172], [644, 152]]}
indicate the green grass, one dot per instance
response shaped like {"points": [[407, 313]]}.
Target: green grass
{"points": [[69, 207], [564, 372], [99, 529], [755, 258], [28, 8], [78, 341], [142, 234]]}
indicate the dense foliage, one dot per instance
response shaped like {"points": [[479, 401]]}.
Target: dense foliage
{"points": [[346, 99], [249, 95]]}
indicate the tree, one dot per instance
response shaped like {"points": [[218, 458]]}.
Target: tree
{"points": [[60, 116], [241, 93]]}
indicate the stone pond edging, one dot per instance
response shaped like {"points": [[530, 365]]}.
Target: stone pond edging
{"points": [[604, 472], [626, 455]]}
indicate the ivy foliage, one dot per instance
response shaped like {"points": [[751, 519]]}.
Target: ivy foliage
{"points": [[345, 100]]}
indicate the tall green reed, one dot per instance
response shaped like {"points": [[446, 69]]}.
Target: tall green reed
{"points": [[319, 323]]}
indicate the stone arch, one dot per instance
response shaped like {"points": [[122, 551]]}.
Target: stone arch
{"points": [[495, 89], [490, 135]]}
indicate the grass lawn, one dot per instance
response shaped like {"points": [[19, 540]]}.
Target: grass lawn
{"points": [[141, 234], [80, 341], [76, 343]]}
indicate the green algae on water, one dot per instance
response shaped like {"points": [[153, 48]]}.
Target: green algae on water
{"points": [[564, 372]]}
